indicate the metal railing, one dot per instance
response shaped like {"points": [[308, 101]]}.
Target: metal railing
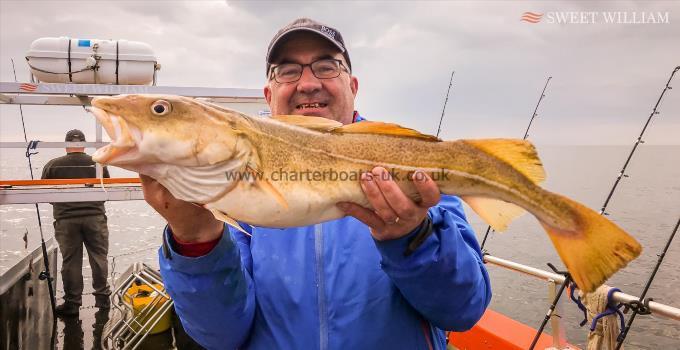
{"points": [[128, 328], [555, 279]]}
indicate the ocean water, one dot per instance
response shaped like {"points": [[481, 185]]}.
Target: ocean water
{"points": [[646, 204]]}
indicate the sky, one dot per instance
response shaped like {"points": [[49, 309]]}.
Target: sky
{"points": [[606, 77]]}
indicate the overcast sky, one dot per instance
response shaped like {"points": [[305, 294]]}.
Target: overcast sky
{"points": [[606, 77]]}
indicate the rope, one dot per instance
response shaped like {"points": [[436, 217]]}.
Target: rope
{"points": [[577, 299], [604, 328], [70, 73]]}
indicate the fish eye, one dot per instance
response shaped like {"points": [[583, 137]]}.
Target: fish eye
{"points": [[161, 107]]}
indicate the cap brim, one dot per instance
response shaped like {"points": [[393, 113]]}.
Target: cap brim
{"points": [[287, 34]]}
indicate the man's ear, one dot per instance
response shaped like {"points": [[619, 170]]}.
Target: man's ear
{"points": [[354, 85], [268, 94]]}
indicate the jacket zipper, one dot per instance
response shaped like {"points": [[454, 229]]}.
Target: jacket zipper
{"points": [[321, 287]]}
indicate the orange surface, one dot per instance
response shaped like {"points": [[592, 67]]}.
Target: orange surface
{"points": [[499, 332], [121, 180]]}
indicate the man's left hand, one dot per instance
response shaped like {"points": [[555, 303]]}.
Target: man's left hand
{"points": [[394, 215]]}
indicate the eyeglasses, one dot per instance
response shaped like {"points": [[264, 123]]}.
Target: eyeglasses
{"points": [[325, 68]]}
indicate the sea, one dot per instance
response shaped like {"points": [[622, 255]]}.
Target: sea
{"points": [[646, 204]]}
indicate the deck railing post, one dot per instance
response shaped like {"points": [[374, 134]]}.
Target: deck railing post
{"points": [[98, 131], [556, 324]]}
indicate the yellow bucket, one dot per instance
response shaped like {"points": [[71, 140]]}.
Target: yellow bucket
{"points": [[139, 296]]}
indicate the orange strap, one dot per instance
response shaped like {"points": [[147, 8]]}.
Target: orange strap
{"points": [[43, 182], [426, 332]]}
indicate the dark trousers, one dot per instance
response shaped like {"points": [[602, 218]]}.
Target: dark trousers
{"points": [[72, 234]]}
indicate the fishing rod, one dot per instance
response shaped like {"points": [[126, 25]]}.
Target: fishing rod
{"points": [[526, 135], [639, 140], [637, 306], [439, 128], [641, 304], [44, 275], [640, 307]]}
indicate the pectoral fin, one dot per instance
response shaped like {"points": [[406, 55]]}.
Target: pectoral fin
{"points": [[496, 213], [228, 220]]}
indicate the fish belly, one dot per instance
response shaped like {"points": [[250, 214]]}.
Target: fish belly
{"points": [[304, 205]]}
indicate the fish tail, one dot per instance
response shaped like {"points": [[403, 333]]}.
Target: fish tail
{"points": [[595, 249]]}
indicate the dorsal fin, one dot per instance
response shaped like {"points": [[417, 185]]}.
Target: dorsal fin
{"points": [[370, 127], [520, 154], [364, 127], [309, 122]]}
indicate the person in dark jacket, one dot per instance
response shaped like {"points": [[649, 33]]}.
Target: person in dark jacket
{"points": [[396, 276], [77, 224]]}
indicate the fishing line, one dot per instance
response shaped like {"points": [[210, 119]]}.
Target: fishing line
{"points": [[526, 135], [44, 275]]}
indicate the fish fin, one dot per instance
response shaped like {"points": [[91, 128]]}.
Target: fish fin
{"points": [[520, 154], [309, 122], [595, 249], [219, 215], [370, 127], [497, 213], [266, 186]]}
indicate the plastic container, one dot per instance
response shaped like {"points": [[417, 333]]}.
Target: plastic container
{"points": [[92, 61], [145, 303]]}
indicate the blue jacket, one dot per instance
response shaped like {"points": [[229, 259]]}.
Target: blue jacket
{"points": [[331, 286]]}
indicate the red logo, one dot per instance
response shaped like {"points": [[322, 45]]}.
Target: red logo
{"points": [[531, 17], [28, 87]]}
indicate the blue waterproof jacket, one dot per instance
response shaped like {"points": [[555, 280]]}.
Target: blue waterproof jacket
{"points": [[331, 286]]}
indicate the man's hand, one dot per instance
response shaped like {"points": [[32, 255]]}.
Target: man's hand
{"points": [[189, 222], [394, 215]]}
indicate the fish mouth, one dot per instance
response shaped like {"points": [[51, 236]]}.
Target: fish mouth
{"points": [[124, 137]]}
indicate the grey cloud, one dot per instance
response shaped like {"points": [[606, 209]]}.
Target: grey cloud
{"points": [[606, 77]]}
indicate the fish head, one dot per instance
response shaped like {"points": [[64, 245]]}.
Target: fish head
{"points": [[150, 131]]}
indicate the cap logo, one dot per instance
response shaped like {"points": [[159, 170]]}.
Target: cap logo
{"points": [[328, 31]]}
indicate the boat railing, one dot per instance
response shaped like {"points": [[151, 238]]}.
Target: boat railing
{"points": [[555, 280]]}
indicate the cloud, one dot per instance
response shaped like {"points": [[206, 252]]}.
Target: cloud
{"points": [[606, 78]]}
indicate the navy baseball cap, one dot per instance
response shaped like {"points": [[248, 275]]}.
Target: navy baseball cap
{"points": [[310, 25], [75, 135]]}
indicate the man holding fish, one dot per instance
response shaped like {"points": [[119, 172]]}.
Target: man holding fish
{"points": [[384, 261], [392, 277]]}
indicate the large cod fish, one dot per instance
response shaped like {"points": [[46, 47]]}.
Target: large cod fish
{"points": [[278, 172]]}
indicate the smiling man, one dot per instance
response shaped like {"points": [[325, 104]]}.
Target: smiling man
{"points": [[326, 89], [395, 276]]}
